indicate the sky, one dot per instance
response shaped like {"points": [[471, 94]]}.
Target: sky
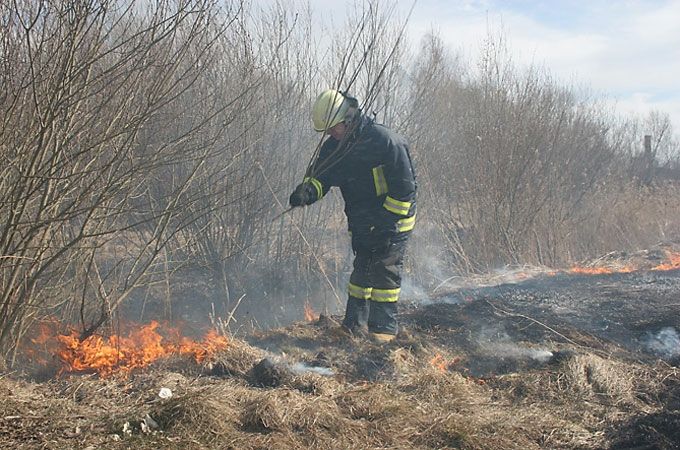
{"points": [[625, 51]]}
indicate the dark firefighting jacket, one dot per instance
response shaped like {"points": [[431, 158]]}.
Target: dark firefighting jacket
{"points": [[373, 169]]}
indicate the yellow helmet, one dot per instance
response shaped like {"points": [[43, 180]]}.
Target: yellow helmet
{"points": [[330, 108]]}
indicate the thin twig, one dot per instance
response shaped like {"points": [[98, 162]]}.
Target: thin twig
{"points": [[278, 216], [297, 228], [507, 313], [342, 149], [233, 310]]}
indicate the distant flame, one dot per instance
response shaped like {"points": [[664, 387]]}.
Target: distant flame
{"points": [[143, 346], [310, 314], [672, 263], [442, 364], [44, 342], [439, 362], [600, 270]]}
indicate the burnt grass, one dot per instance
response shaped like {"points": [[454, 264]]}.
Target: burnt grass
{"points": [[615, 313], [555, 361]]}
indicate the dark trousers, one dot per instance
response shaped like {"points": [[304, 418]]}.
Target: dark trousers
{"points": [[374, 288]]}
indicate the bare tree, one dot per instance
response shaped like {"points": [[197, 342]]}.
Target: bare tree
{"points": [[86, 85]]}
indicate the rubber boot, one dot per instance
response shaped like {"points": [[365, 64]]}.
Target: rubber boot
{"points": [[381, 338], [383, 318], [356, 316]]}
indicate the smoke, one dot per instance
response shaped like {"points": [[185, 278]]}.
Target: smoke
{"points": [[428, 263], [510, 350], [665, 343], [415, 292], [497, 342], [301, 368], [437, 276]]}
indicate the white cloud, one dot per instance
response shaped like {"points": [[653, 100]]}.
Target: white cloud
{"points": [[626, 50], [659, 25]]}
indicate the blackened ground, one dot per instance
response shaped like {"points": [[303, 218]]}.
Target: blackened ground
{"points": [[625, 313]]}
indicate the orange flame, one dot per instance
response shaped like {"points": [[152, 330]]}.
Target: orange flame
{"points": [[442, 364], [143, 346], [439, 362], [600, 270], [672, 263], [310, 314]]}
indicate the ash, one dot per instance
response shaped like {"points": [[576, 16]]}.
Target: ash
{"points": [[633, 315]]}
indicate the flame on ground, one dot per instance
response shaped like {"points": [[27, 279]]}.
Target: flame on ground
{"points": [[672, 263], [600, 270], [439, 362], [442, 364], [310, 314], [141, 347]]}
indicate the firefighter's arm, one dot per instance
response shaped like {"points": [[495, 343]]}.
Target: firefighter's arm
{"points": [[401, 185], [317, 182]]}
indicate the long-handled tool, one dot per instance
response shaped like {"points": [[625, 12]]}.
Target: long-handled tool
{"points": [[285, 212]]}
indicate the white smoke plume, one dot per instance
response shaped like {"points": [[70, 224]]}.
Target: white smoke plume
{"points": [[301, 368], [437, 277], [665, 343], [496, 342], [297, 367], [510, 350]]}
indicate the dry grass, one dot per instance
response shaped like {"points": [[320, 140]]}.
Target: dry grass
{"points": [[410, 403], [634, 218]]}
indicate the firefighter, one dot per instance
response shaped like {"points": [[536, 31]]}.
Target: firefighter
{"points": [[372, 167]]}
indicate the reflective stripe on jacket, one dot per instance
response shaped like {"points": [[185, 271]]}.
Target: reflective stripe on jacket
{"points": [[375, 174]]}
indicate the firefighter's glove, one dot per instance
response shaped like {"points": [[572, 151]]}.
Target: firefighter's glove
{"points": [[303, 194]]}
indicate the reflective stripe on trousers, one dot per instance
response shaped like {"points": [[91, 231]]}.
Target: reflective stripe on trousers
{"points": [[376, 281]]}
